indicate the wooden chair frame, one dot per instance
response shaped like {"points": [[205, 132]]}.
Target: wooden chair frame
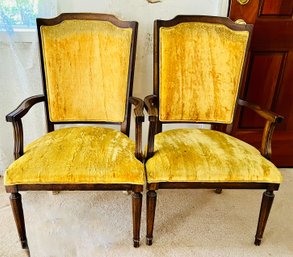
{"points": [[16, 116], [155, 126]]}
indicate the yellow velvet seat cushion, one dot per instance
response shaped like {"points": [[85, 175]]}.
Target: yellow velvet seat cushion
{"points": [[76, 156], [198, 155]]}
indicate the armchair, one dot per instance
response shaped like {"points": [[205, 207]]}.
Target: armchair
{"points": [[87, 67], [198, 69]]}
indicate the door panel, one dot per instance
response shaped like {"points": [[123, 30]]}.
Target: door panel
{"points": [[269, 73], [263, 79], [276, 7], [247, 12]]}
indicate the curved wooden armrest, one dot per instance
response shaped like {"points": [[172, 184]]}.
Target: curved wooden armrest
{"points": [[15, 117], [139, 118], [268, 115], [138, 110], [272, 120], [151, 105], [24, 107]]}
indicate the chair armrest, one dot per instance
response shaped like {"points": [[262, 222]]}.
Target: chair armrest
{"points": [[268, 115], [138, 110], [15, 117], [24, 107], [139, 118], [150, 103], [272, 120]]}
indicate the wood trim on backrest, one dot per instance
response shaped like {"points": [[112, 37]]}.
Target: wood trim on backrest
{"points": [[125, 125], [190, 18]]}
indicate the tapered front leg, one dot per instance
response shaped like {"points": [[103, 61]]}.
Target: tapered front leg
{"points": [[151, 209], [266, 204], [136, 216], [15, 201]]}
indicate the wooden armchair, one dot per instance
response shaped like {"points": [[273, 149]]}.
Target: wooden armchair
{"points": [[198, 69], [87, 66]]}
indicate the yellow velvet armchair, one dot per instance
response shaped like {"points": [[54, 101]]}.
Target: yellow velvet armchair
{"points": [[198, 69], [87, 67]]}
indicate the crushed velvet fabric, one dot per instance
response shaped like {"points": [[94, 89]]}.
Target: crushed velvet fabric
{"points": [[199, 155], [78, 155], [86, 69], [200, 71]]}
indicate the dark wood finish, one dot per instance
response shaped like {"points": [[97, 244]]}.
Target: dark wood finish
{"points": [[73, 187], [151, 209], [152, 107], [269, 116], [271, 121], [246, 12], [16, 205], [263, 83], [15, 117], [266, 204], [24, 107], [139, 118], [125, 126], [263, 215], [268, 78], [211, 185], [18, 138], [218, 190], [276, 7], [136, 214]]}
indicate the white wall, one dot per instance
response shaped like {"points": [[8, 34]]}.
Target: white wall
{"points": [[19, 78], [17, 84]]}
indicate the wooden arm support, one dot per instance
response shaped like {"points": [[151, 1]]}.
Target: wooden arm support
{"points": [[151, 105], [138, 110], [139, 118], [15, 117], [269, 116], [272, 120]]}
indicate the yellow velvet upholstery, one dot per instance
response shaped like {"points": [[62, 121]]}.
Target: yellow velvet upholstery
{"points": [[200, 70], [198, 155], [78, 155], [86, 66]]}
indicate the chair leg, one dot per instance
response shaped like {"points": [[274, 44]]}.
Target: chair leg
{"points": [[218, 190], [16, 205], [136, 216], [266, 204], [151, 209]]}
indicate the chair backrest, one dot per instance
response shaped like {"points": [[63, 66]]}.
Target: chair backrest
{"points": [[198, 67], [87, 65]]}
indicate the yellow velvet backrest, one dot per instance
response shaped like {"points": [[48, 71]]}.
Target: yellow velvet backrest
{"points": [[86, 65], [200, 68]]}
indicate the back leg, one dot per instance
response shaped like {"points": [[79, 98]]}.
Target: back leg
{"points": [[218, 190]]}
